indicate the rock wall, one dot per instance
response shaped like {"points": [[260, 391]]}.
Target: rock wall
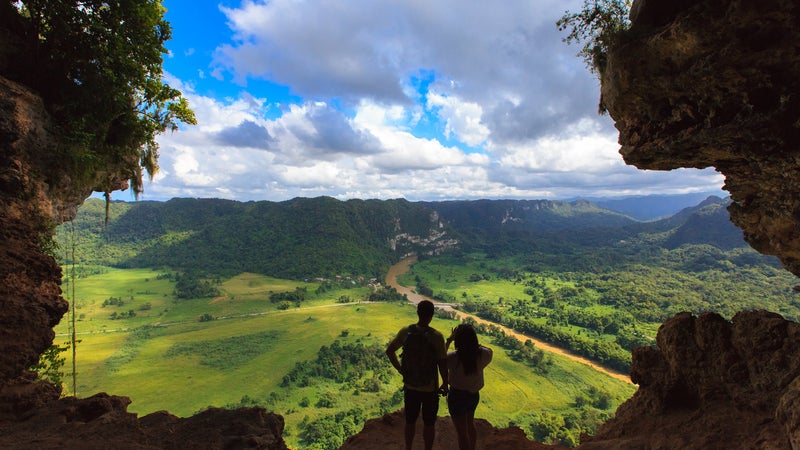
{"points": [[33, 199], [712, 383], [716, 83], [29, 279]]}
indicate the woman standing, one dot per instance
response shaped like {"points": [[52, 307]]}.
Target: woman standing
{"points": [[465, 369]]}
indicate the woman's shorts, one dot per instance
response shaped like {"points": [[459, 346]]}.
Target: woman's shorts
{"points": [[460, 402]]}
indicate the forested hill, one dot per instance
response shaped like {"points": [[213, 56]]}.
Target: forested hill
{"points": [[292, 239], [309, 237]]}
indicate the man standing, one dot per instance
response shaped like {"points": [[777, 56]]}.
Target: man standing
{"points": [[423, 353]]}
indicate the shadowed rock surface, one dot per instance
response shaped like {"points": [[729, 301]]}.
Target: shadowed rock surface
{"points": [[712, 383], [715, 83], [386, 433]]}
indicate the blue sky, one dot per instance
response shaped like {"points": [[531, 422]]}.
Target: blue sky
{"points": [[453, 99]]}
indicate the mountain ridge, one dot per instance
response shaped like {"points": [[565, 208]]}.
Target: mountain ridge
{"points": [[364, 237]]}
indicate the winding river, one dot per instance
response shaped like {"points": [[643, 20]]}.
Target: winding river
{"points": [[404, 266]]}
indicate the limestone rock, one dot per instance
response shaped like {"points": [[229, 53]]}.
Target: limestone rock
{"points": [[712, 384], [102, 422], [30, 293], [715, 83]]}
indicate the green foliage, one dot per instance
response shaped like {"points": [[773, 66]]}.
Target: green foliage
{"points": [[597, 26], [122, 315], [227, 238], [342, 362], [296, 297], [387, 294], [329, 432], [192, 284], [98, 67], [226, 354], [51, 363], [113, 301]]}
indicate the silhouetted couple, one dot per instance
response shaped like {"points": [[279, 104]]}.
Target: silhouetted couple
{"points": [[423, 360]]}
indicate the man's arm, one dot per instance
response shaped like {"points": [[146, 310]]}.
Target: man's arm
{"points": [[391, 352], [442, 363]]}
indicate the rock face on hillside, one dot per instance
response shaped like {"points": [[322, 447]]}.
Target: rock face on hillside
{"points": [[717, 83], [29, 279], [101, 422]]}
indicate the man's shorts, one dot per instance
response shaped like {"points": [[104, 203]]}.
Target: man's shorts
{"points": [[428, 402], [461, 403]]}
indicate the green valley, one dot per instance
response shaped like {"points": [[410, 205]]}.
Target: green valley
{"points": [[194, 303], [249, 352]]}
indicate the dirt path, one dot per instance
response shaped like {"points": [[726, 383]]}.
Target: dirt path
{"points": [[403, 267]]}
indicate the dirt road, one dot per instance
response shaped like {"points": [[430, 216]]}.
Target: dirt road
{"points": [[403, 267]]}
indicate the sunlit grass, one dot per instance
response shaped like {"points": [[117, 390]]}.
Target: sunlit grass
{"points": [[135, 360]]}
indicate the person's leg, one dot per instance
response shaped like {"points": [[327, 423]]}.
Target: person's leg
{"points": [[460, 422], [428, 435], [430, 409], [471, 431], [458, 406], [412, 404], [410, 431]]}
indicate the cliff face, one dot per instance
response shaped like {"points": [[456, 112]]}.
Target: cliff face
{"points": [[717, 83], [29, 289]]}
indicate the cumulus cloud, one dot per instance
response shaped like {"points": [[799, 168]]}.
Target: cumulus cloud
{"points": [[355, 50], [416, 99]]}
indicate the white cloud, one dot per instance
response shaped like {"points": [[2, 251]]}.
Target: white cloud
{"points": [[582, 148], [462, 119], [402, 149], [391, 99]]}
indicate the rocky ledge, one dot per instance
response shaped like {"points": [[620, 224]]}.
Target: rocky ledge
{"points": [[712, 383], [102, 422]]}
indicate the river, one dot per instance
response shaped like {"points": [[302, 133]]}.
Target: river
{"points": [[404, 266]]}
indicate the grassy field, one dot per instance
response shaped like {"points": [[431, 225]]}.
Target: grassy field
{"points": [[164, 358]]}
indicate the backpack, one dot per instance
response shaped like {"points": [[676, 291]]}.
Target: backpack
{"points": [[418, 359]]}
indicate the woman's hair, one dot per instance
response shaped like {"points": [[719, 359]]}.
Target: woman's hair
{"points": [[467, 349]]}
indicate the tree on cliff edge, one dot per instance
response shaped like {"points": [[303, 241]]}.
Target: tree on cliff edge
{"points": [[98, 67]]}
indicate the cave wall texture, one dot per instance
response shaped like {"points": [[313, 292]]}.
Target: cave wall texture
{"points": [[706, 83], [33, 199], [716, 83]]}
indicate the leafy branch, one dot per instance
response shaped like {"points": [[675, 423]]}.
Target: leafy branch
{"points": [[596, 26], [97, 64]]}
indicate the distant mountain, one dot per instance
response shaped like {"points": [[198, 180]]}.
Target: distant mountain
{"points": [[308, 237], [708, 223], [651, 207], [526, 215], [293, 239]]}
